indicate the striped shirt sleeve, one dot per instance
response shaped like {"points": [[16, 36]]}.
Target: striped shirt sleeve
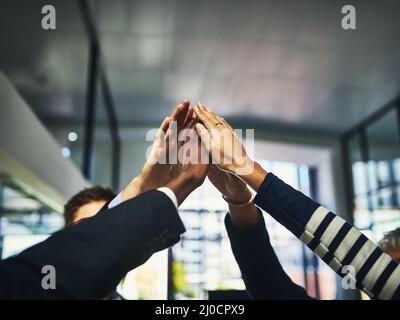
{"points": [[335, 241]]}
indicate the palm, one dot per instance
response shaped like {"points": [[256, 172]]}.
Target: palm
{"points": [[224, 145]]}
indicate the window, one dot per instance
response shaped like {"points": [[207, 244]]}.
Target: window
{"points": [[375, 159], [203, 260], [24, 221]]}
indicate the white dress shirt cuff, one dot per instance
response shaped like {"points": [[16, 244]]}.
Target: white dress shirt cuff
{"points": [[118, 199]]}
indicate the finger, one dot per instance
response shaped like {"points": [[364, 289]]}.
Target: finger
{"points": [[229, 127], [225, 123], [193, 120], [203, 156], [220, 123], [202, 131], [171, 146], [180, 112], [204, 108], [210, 112], [165, 124], [201, 105], [200, 112], [204, 135], [184, 114], [189, 117], [207, 111], [161, 132], [210, 115]]}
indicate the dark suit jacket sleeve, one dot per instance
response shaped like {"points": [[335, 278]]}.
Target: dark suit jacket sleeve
{"points": [[91, 257], [261, 270], [340, 245]]}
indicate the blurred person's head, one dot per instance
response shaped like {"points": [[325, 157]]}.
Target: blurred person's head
{"points": [[391, 244], [86, 203]]}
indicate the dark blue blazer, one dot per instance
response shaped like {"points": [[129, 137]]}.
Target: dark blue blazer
{"points": [[91, 257]]}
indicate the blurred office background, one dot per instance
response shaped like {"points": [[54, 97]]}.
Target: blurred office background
{"points": [[77, 102]]}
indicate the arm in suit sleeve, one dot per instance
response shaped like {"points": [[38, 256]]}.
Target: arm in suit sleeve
{"points": [[261, 270], [337, 242], [92, 256]]}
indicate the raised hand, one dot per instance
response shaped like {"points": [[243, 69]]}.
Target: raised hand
{"points": [[225, 147], [156, 171]]}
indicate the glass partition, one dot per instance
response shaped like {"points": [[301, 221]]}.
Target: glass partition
{"points": [[102, 147], [24, 221], [375, 157]]}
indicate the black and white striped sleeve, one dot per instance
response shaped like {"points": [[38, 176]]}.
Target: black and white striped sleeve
{"points": [[337, 242]]}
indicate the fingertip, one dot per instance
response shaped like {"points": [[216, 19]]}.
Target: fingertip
{"points": [[199, 126], [179, 108], [165, 123], [196, 110], [189, 115]]}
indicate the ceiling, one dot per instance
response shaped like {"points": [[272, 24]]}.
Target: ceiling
{"points": [[277, 62]]}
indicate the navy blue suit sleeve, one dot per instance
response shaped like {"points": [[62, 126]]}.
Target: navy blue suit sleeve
{"points": [[91, 257], [340, 245], [261, 270]]}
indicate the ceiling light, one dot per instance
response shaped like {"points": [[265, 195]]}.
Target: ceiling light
{"points": [[72, 136], [66, 152]]}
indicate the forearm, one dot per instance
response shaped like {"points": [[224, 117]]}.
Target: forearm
{"points": [[337, 242], [134, 188], [261, 270], [255, 177], [182, 188], [243, 216]]}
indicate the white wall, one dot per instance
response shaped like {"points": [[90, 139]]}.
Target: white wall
{"points": [[30, 155]]}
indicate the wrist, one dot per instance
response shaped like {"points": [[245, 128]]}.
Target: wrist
{"points": [[182, 187], [134, 188], [245, 167], [239, 197], [244, 217], [254, 177]]}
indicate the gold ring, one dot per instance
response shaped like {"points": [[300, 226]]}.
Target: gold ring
{"points": [[219, 123]]}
